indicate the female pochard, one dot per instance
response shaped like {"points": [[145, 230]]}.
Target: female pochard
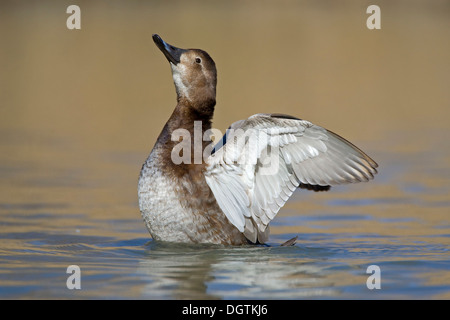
{"points": [[193, 193]]}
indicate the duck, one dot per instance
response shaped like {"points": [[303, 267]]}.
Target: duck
{"points": [[231, 192]]}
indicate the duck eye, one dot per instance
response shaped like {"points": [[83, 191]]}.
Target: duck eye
{"points": [[198, 60]]}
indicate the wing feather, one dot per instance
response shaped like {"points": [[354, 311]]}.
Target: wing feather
{"points": [[305, 154]]}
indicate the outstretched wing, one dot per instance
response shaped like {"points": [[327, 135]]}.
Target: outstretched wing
{"points": [[262, 160]]}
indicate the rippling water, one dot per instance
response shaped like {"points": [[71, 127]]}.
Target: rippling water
{"points": [[340, 233], [80, 112]]}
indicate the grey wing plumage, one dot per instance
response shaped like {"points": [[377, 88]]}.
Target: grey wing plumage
{"points": [[266, 157]]}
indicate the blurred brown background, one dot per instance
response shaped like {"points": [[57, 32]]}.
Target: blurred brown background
{"points": [[72, 100]]}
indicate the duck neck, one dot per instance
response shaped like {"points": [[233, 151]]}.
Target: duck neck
{"points": [[186, 114], [196, 108], [184, 131]]}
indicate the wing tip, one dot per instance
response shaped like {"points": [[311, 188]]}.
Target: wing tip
{"points": [[314, 187]]}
